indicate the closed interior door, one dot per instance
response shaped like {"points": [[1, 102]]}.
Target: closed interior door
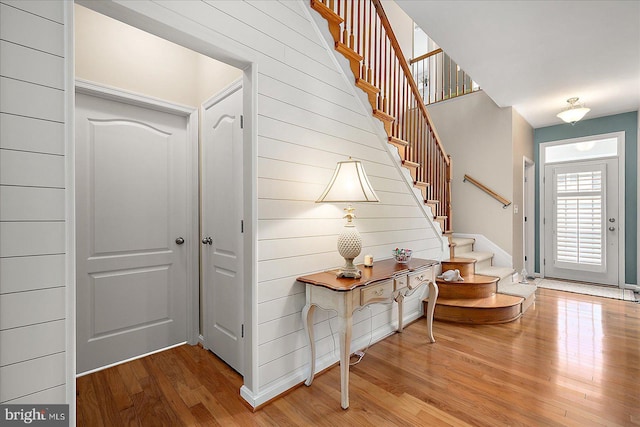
{"points": [[581, 221], [221, 219], [131, 213]]}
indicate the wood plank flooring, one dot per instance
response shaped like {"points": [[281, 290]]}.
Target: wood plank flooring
{"points": [[571, 360]]}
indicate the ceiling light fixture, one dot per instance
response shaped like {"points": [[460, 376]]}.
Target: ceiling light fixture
{"points": [[573, 112]]}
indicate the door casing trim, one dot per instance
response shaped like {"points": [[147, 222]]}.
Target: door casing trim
{"points": [[154, 18], [621, 192]]}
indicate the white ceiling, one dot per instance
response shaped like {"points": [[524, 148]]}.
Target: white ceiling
{"points": [[533, 55]]}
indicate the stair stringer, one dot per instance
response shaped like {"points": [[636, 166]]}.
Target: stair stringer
{"points": [[322, 28]]}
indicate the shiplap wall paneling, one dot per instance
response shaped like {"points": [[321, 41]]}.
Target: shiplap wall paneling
{"points": [[31, 272], [29, 134], [308, 118], [32, 203]]}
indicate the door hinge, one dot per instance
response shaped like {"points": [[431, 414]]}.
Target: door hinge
{"points": [[242, 225], [242, 331], [544, 261], [525, 257], [544, 220], [241, 122], [525, 219]]}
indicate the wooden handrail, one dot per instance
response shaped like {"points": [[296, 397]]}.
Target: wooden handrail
{"points": [[440, 77], [425, 56], [363, 34], [487, 190], [408, 74]]}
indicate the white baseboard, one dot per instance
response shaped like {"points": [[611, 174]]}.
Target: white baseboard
{"points": [[501, 258], [300, 375]]}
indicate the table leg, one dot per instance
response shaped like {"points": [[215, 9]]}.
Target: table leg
{"points": [[345, 352], [431, 306], [307, 321], [400, 300]]}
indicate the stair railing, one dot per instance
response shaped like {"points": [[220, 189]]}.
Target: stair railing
{"points": [[440, 78], [505, 202], [363, 34]]}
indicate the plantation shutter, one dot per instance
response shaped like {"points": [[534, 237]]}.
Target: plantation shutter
{"points": [[579, 198]]}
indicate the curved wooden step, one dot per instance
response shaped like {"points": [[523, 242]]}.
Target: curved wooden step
{"points": [[466, 266], [474, 286], [497, 308]]}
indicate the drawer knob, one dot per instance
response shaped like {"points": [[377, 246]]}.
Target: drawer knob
{"points": [[421, 277], [379, 292]]}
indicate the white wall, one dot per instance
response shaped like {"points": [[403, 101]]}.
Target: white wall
{"points": [[308, 117], [402, 25], [478, 135], [116, 54], [33, 358]]}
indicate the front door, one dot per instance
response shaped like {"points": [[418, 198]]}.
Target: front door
{"points": [[581, 203], [221, 219], [131, 213]]}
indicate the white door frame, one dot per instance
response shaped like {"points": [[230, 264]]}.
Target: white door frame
{"points": [[621, 193], [529, 212], [152, 17]]}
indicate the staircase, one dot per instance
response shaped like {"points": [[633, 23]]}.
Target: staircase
{"points": [[362, 34], [487, 294]]}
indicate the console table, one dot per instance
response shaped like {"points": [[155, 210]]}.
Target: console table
{"points": [[385, 282]]}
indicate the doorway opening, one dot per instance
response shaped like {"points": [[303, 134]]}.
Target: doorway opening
{"points": [[153, 70], [582, 209]]}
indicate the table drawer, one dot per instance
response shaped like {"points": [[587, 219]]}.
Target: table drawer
{"points": [[376, 293], [400, 282], [419, 277]]}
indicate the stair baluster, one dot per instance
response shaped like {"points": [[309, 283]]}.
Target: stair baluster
{"points": [[362, 33]]}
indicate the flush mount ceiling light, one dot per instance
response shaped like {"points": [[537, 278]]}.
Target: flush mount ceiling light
{"points": [[573, 112]]}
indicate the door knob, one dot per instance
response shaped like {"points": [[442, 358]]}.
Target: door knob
{"points": [[612, 220], [207, 241], [612, 229], [179, 240]]}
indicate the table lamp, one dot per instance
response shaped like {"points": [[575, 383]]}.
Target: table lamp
{"points": [[349, 184]]}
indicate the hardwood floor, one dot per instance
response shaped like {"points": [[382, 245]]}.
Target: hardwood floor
{"points": [[571, 360]]}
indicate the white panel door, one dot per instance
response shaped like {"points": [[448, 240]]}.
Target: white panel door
{"points": [[221, 218], [131, 211], [581, 201]]}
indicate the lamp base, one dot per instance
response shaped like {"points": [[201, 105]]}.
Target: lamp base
{"points": [[349, 270]]}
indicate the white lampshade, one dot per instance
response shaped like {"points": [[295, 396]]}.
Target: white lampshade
{"points": [[573, 112], [349, 184]]}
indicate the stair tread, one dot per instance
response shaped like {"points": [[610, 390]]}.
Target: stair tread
{"points": [[410, 164], [517, 289], [494, 301], [470, 279], [461, 241], [460, 260], [477, 255], [366, 86], [398, 141], [501, 272]]}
